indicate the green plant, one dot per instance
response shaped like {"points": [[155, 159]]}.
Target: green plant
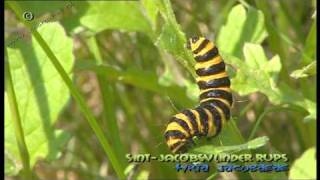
{"points": [[126, 67]]}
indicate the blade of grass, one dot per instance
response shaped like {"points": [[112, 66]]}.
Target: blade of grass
{"points": [[246, 109], [221, 18], [138, 78], [234, 128], [130, 111], [212, 176], [310, 44], [107, 93], [148, 116], [264, 113], [291, 20], [75, 93], [274, 38], [23, 150], [94, 48]]}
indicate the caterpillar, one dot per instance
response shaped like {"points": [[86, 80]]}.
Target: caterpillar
{"points": [[208, 118]]}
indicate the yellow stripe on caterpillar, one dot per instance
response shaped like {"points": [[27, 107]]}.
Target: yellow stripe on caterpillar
{"points": [[222, 115], [208, 47], [172, 141], [209, 63], [212, 77], [197, 44], [177, 126], [196, 114], [227, 89], [185, 119], [211, 126], [219, 99]]}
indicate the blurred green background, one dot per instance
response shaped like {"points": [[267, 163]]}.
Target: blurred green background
{"points": [[89, 81]]}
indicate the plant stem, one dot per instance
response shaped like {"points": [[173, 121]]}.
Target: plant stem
{"points": [[18, 130], [265, 112], [75, 93], [108, 100]]}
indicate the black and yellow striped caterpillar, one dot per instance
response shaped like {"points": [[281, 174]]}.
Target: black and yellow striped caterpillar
{"points": [[209, 117]]}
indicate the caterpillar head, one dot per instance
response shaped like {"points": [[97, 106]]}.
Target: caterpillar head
{"points": [[180, 146], [176, 140], [194, 42]]}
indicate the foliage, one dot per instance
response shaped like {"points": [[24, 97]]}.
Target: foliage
{"points": [[305, 166], [41, 94], [129, 61]]}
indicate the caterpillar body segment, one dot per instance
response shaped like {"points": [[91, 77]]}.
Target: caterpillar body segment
{"points": [[209, 117]]}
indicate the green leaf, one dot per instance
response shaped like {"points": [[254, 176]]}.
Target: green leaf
{"points": [[172, 39], [309, 70], [288, 95], [305, 166], [242, 26], [38, 8], [122, 15], [252, 144], [257, 73], [309, 49], [167, 78], [192, 90], [140, 79], [44, 12], [151, 9], [129, 169], [310, 106], [41, 94], [10, 166], [144, 174]]}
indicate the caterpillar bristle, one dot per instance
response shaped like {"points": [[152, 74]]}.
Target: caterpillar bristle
{"points": [[208, 118]]}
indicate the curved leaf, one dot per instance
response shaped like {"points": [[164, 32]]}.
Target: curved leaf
{"points": [[40, 92], [242, 26], [305, 166], [101, 15]]}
